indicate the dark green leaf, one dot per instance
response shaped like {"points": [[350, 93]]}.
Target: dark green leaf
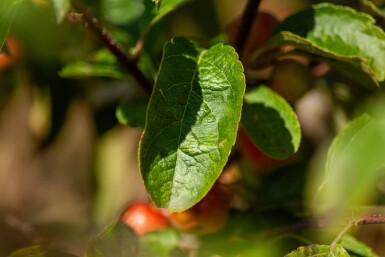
{"points": [[132, 112], [159, 243], [319, 251], [8, 10], [154, 12], [61, 8], [271, 123], [192, 122], [39, 251], [118, 240], [351, 244], [349, 40]]}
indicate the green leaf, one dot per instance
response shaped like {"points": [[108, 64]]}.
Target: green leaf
{"points": [[159, 243], [61, 7], [348, 40], [39, 251], [192, 121], [352, 245], [319, 251], [82, 69], [154, 12], [102, 63], [271, 123], [132, 112], [8, 9], [355, 157], [118, 240], [122, 12]]}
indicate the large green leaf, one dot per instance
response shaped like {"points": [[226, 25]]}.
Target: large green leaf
{"points": [[348, 40], [61, 7], [192, 121], [319, 251], [39, 251], [8, 10], [355, 157], [271, 123], [118, 240]]}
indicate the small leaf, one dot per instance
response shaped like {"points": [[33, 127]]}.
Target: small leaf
{"points": [[61, 7], [132, 112], [118, 240], [352, 245], [159, 243], [192, 122], [82, 69], [271, 123], [39, 251], [8, 9], [348, 40], [319, 251], [122, 12], [153, 13]]}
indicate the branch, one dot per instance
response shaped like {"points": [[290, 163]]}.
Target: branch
{"points": [[101, 32], [248, 18]]}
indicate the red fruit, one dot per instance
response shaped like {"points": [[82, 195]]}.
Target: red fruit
{"points": [[13, 55], [291, 79], [208, 215], [144, 217], [5, 61], [255, 156]]}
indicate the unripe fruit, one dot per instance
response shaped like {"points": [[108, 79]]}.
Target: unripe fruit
{"points": [[143, 217], [208, 215], [291, 79]]}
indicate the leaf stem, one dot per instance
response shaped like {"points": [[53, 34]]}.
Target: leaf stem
{"points": [[248, 18], [101, 32]]}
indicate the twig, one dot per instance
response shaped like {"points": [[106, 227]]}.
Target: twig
{"points": [[369, 220], [248, 18], [101, 32]]}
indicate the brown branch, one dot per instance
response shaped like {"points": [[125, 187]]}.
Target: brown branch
{"points": [[248, 18], [370, 220], [101, 32]]}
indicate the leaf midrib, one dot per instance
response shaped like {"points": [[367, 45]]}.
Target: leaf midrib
{"points": [[183, 118]]}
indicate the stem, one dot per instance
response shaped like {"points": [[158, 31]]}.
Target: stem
{"points": [[248, 18], [342, 233], [101, 32]]}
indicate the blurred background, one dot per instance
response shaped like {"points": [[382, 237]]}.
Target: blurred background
{"points": [[67, 168]]}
